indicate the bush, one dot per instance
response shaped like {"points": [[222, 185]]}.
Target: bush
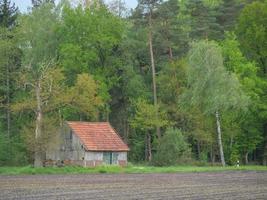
{"points": [[172, 149], [12, 151], [234, 156]]}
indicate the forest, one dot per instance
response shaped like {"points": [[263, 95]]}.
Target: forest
{"points": [[182, 81]]}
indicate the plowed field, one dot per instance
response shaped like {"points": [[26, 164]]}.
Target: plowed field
{"points": [[216, 185]]}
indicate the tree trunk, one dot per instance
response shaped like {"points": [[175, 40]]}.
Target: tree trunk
{"points": [[246, 158], [148, 153], [38, 128], [231, 142], [153, 68], [212, 155], [220, 138], [8, 101], [126, 130], [170, 53], [198, 149]]}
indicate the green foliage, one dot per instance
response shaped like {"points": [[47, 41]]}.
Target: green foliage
{"points": [[234, 157], [202, 16], [12, 151], [91, 64], [95, 51], [252, 32], [172, 149], [212, 88], [38, 39], [83, 97], [101, 30], [148, 116], [3, 150], [212, 3], [8, 14], [171, 81], [247, 137], [246, 71], [137, 143]]}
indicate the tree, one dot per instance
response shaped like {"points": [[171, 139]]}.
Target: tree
{"points": [[39, 45], [95, 51], [118, 7], [147, 8], [252, 32], [147, 118], [249, 136], [202, 16], [8, 14], [228, 13], [37, 3], [210, 86], [9, 57], [46, 93], [172, 149], [83, 98], [53, 102]]}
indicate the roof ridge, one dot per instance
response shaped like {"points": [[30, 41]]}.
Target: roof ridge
{"points": [[87, 122]]}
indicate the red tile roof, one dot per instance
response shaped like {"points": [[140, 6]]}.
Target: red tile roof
{"points": [[98, 136]]}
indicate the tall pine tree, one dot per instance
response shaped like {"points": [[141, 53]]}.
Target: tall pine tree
{"points": [[9, 57]]}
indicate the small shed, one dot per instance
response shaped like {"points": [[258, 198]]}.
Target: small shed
{"points": [[88, 144]]}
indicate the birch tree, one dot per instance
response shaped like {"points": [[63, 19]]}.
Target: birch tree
{"points": [[211, 87]]}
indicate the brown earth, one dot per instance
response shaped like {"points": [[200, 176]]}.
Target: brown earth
{"points": [[222, 185]]}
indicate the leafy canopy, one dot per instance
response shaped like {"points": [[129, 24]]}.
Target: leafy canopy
{"points": [[210, 86]]}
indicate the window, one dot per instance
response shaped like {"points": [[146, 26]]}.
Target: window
{"points": [[110, 158], [107, 158]]}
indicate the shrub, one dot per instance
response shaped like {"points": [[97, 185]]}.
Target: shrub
{"points": [[234, 156], [172, 149]]}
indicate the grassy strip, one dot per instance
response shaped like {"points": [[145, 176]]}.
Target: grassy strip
{"points": [[119, 170]]}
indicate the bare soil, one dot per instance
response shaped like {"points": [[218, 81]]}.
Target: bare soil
{"points": [[216, 185]]}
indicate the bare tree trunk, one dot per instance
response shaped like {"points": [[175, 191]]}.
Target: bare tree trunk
{"points": [[198, 149], [231, 142], [246, 158], [148, 152], [38, 128], [148, 144], [220, 138], [212, 155], [126, 130], [8, 101], [153, 67], [107, 116], [170, 53]]}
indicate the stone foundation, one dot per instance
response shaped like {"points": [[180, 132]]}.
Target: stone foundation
{"points": [[82, 163]]}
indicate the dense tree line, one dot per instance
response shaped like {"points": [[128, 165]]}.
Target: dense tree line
{"points": [[181, 81]]}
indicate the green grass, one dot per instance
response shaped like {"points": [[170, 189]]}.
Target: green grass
{"points": [[118, 170]]}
